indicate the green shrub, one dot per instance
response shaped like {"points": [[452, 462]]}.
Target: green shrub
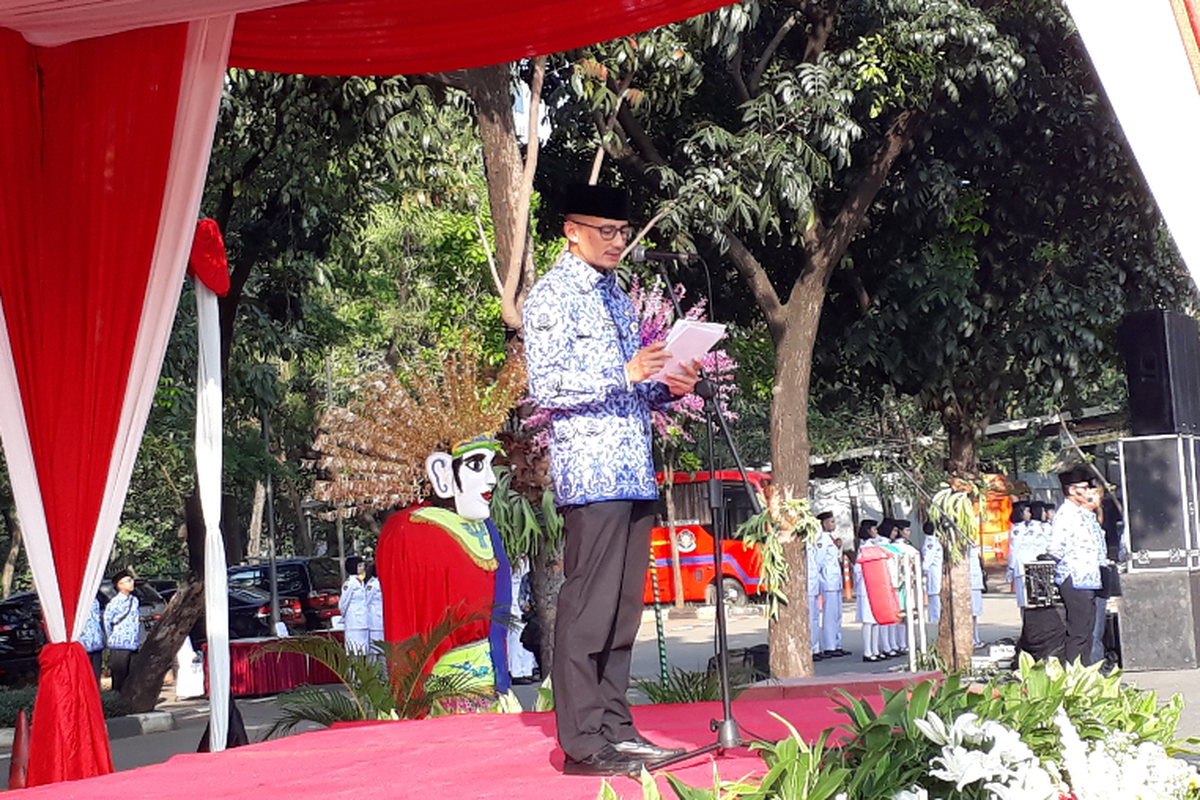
{"points": [[688, 686], [13, 700]]}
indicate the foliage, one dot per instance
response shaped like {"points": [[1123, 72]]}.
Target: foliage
{"points": [[1019, 736], [690, 686], [13, 700], [1004, 253], [399, 688], [524, 529], [784, 518], [955, 512]]}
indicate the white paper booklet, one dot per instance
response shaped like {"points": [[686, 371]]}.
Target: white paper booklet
{"points": [[689, 340]]}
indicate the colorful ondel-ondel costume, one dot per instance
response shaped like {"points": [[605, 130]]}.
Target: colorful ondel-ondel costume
{"points": [[432, 560]]}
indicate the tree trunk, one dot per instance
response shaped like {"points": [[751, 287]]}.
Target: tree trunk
{"points": [[676, 567], [956, 636], [157, 654], [956, 628], [490, 89], [303, 537], [790, 637], [546, 578], [254, 548], [13, 526]]}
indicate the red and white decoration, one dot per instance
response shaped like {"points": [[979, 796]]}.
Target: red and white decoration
{"points": [[109, 111], [109, 108]]}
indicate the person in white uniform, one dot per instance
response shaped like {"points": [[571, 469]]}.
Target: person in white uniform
{"points": [[830, 584], [932, 557], [353, 607]]}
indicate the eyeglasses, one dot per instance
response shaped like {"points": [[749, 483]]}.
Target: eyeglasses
{"points": [[607, 232]]}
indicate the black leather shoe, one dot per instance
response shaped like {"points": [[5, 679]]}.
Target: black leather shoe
{"points": [[609, 761], [835, 653], [872, 659], [818, 656], [642, 749]]}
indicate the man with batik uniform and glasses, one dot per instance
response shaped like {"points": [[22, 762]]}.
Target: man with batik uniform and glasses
{"points": [[588, 368], [1077, 544]]}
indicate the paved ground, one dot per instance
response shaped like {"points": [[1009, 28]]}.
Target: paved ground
{"points": [[689, 645]]}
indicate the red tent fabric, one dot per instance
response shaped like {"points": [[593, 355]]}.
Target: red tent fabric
{"points": [[84, 168], [383, 37]]}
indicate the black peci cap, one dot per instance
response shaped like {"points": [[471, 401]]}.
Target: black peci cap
{"points": [[607, 202]]}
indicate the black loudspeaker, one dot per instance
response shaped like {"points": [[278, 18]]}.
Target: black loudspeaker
{"points": [[1162, 364], [1159, 620], [1158, 476]]}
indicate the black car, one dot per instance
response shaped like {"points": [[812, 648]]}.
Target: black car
{"points": [[23, 633], [250, 615], [317, 582], [22, 636]]}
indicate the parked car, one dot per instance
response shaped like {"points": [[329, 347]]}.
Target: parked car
{"points": [[23, 632], [22, 636], [250, 615], [317, 582]]}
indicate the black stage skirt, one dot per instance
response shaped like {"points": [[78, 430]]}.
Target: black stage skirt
{"points": [[1043, 633]]}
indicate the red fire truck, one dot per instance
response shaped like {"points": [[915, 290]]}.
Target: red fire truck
{"points": [[740, 563]]}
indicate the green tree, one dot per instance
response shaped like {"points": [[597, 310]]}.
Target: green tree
{"points": [[1004, 254], [779, 124]]}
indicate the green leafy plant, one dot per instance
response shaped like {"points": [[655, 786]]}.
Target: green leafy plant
{"points": [[783, 519], [524, 528], [690, 686], [1096, 704], [13, 700], [399, 688]]}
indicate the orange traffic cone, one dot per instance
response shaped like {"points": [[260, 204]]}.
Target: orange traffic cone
{"points": [[847, 584], [20, 752]]}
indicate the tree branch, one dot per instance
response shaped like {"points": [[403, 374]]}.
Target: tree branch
{"points": [[758, 281], [853, 214], [735, 69], [821, 18], [509, 311], [769, 53]]}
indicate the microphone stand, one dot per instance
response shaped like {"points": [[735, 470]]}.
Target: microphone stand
{"points": [[726, 728]]}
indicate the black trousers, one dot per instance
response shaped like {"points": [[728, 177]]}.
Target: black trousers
{"points": [[1081, 621], [605, 555], [118, 667], [96, 657]]}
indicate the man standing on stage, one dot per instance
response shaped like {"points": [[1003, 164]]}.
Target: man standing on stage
{"points": [[587, 367]]}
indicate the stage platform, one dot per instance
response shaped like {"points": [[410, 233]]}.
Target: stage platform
{"points": [[501, 756]]}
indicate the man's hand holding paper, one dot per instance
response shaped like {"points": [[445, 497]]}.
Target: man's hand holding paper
{"points": [[676, 362]]}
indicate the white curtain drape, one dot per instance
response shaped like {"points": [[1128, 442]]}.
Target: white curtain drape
{"points": [[208, 476]]}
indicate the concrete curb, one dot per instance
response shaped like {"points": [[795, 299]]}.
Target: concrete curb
{"points": [[120, 727]]}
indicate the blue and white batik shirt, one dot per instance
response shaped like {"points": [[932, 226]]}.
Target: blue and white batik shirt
{"points": [[1077, 541], [580, 331], [122, 622]]}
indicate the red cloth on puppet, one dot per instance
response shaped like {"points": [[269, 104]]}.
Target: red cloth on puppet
{"points": [[424, 571]]}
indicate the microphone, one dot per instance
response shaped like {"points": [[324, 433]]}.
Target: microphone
{"points": [[639, 254]]}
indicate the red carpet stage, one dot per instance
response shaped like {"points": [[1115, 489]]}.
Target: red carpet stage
{"points": [[500, 756]]}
